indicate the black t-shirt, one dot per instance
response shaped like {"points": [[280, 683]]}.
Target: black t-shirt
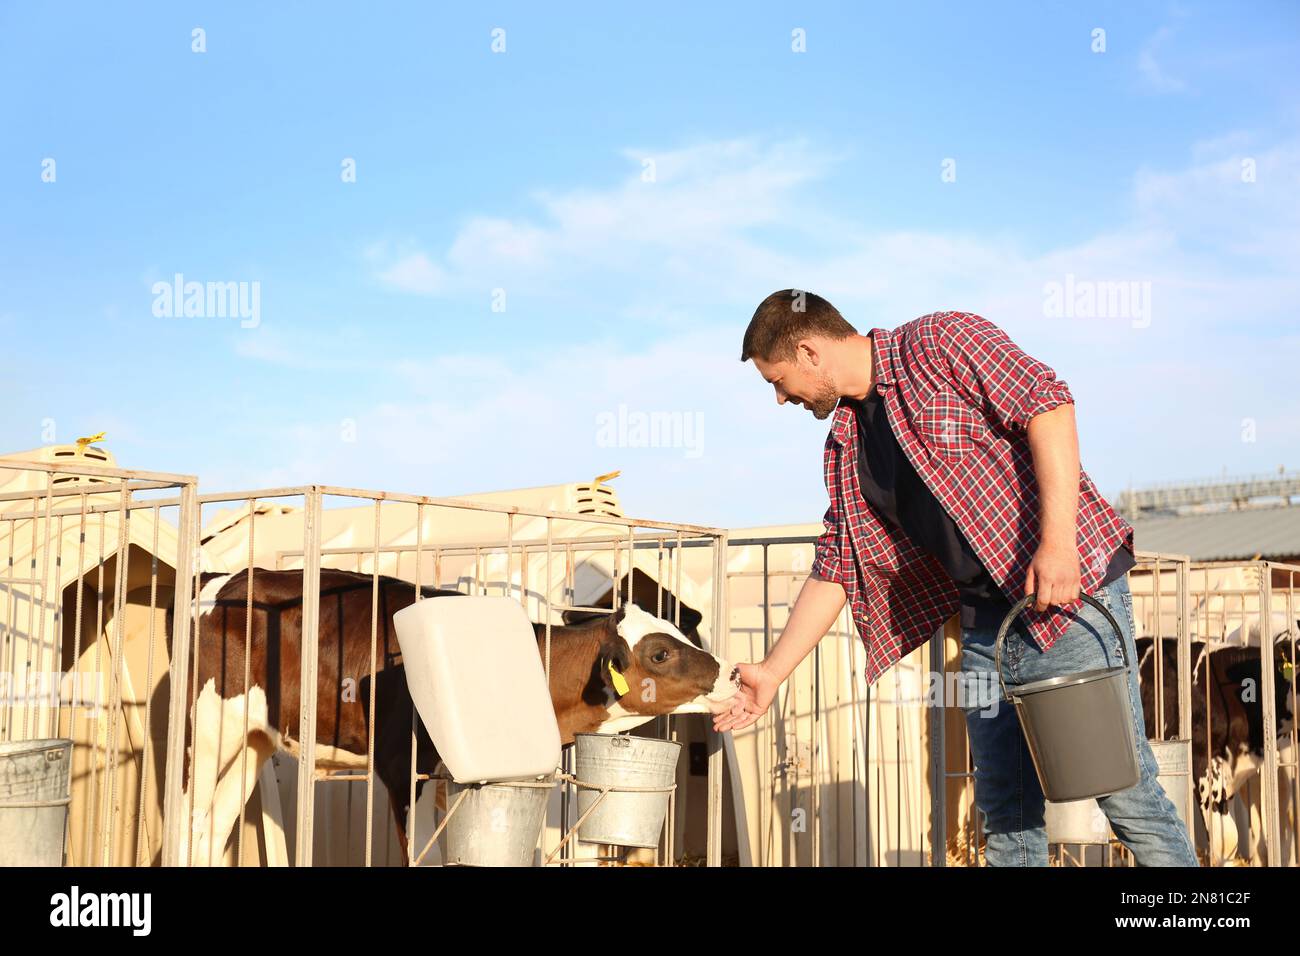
{"points": [[891, 486]]}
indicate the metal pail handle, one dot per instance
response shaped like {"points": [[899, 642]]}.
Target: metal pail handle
{"points": [[1025, 602]]}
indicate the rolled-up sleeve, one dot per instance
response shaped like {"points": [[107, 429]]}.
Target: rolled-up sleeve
{"points": [[826, 552], [993, 372]]}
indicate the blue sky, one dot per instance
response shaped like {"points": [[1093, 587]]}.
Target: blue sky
{"points": [[377, 358]]}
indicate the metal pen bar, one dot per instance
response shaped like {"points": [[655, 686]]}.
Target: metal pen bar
{"points": [[310, 647], [174, 811], [106, 471]]}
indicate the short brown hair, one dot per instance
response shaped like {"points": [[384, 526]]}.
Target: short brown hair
{"points": [[787, 316]]}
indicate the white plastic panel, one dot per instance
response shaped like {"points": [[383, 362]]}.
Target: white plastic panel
{"points": [[478, 684]]}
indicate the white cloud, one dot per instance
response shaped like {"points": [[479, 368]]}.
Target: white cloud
{"points": [[687, 224], [414, 273], [1156, 77], [293, 349], [461, 423], [1245, 196], [644, 249], [1162, 401]]}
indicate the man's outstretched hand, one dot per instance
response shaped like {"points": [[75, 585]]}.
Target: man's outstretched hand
{"points": [[816, 608], [757, 688]]}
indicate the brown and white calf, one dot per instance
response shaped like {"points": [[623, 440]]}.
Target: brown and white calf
{"points": [[664, 673], [1227, 725]]}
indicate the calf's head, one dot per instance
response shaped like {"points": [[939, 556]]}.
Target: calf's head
{"points": [[649, 668]]}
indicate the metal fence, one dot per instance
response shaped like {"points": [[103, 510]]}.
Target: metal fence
{"points": [[95, 560], [102, 597], [1078, 834], [1236, 697], [842, 773], [106, 569], [836, 774], [553, 563]]}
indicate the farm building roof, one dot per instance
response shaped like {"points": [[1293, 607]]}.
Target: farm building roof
{"points": [[1270, 533]]}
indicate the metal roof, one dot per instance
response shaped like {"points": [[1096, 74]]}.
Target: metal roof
{"points": [[1271, 533]]}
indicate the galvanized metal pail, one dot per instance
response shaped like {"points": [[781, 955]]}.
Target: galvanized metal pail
{"points": [[35, 789], [1079, 822], [621, 760], [1174, 758], [1079, 727], [496, 824]]}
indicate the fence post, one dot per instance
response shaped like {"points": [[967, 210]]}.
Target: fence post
{"points": [[310, 646], [938, 758], [1268, 699], [713, 851], [174, 782]]}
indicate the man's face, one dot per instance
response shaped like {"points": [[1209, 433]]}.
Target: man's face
{"points": [[802, 382]]}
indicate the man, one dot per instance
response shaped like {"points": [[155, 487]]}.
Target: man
{"points": [[953, 472]]}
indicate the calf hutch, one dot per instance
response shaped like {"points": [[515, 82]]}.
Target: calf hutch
{"points": [[227, 670]]}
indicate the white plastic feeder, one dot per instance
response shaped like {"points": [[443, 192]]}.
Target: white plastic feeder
{"points": [[479, 687]]}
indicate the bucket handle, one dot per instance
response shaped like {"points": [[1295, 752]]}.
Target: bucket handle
{"points": [[1023, 603]]}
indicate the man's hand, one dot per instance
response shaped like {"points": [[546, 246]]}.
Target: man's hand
{"points": [[1053, 575], [758, 685], [814, 612]]}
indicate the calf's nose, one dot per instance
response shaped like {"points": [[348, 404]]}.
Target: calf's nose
{"points": [[727, 682]]}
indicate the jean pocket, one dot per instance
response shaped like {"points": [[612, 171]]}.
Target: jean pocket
{"points": [[1114, 636], [1117, 653], [1013, 652], [1128, 605], [1102, 640]]}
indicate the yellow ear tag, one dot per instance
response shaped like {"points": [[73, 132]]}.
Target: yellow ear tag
{"points": [[620, 684]]}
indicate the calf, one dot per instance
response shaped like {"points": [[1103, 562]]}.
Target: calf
{"points": [[1227, 729], [247, 705]]}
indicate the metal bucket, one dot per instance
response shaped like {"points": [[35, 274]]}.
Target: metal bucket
{"points": [[496, 824], [1174, 758], [620, 760], [1078, 821], [1082, 821], [1079, 727], [35, 789]]}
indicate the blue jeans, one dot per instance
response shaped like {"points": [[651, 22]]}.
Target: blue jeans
{"points": [[1007, 790]]}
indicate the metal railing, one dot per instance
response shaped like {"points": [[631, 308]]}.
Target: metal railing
{"points": [[94, 561], [836, 774], [472, 547], [841, 773]]}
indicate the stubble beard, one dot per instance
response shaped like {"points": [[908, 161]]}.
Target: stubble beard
{"points": [[826, 399]]}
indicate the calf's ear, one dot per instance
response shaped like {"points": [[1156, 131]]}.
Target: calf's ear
{"points": [[613, 661], [691, 619]]}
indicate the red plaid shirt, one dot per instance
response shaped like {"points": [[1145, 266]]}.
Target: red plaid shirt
{"points": [[959, 395]]}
